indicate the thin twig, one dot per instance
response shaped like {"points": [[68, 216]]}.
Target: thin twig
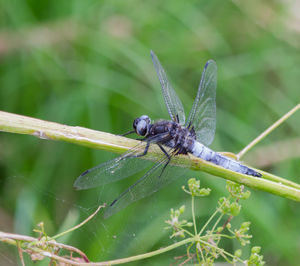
{"points": [[15, 239], [227, 221], [193, 215], [275, 152], [187, 260], [70, 248], [7, 237], [267, 131], [79, 225], [20, 251]]}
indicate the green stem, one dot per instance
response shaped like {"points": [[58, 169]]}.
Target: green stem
{"points": [[78, 225], [145, 255], [219, 249], [208, 221], [187, 232], [200, 250], [14, 238], [188, 249], [267, 131], [217, 222], [193, 214], [99, 140]]}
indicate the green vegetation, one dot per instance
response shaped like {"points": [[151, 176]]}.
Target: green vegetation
{"points": [[87, 63], [203, 246]]}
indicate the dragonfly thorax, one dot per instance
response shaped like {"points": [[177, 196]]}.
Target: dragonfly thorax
{"points": [[141, 125], [173, 135]]}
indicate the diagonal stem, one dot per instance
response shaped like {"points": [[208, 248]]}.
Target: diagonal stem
{"points": [[14, 123], [267, 131]]}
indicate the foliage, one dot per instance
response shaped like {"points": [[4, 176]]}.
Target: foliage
{"points": [[207, 242], [87, 63]]}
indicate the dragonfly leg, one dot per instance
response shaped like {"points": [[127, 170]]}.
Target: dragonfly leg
{"points": [[189, 125], [127, 133], [169, 159], [163, 150], [144, 152], [162, 170]]}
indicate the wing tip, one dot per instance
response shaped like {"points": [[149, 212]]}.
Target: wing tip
{"points": [[209, 62], [153, 55], [85, 172], [76, 184], [109, 211]]}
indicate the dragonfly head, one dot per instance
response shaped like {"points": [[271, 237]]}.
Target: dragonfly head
{"points": [[141, 125]]}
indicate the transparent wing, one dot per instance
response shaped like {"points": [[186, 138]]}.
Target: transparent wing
{"points": [[116, 169], [154, 179], [172, 101], [203, 114], [113, 170]]}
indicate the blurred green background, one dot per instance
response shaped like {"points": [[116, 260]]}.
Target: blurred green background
{"points": [[87, 63]]}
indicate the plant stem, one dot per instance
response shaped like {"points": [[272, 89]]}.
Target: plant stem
{"points": [[193, 214], [267, 131], [79, 225], [219, 249], [13, 238], [217, 222], [95, 139], [20, 253], [147, 255], [198, 247], [208, 221]]}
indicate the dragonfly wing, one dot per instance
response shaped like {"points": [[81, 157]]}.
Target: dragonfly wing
{"points": [[154, 179], [118, 168], [203, 114], [173, 103]]}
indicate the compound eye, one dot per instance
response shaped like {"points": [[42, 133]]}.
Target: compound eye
{"points": [[141, 125], [134, 124], [141, 128]]}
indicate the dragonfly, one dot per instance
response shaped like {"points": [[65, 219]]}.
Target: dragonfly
{"points": [[173, 137]]}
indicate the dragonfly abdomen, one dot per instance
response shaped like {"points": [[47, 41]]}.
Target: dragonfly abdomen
{"points": [[203, 152]]}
